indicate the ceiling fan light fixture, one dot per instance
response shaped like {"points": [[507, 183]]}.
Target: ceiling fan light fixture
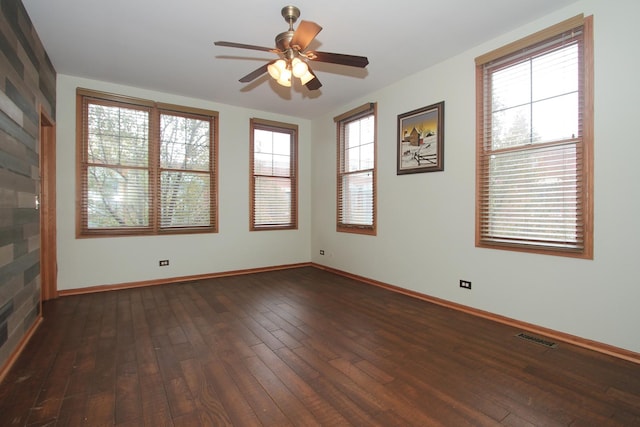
{"points": [[299, 68], [291, 47]]}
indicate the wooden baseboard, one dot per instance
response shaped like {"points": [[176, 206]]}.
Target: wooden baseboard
{"points": [[560, 336], [18, 350], [165, 281]]}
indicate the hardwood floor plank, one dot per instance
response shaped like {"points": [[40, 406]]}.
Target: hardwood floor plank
{"points": [[365, 399], [286, 339], [168, 364], [188, 312], [374, 372], [322, 410], [79, 383], [275, 316], [179, 397], [263, 405], [157, 413], [53, 389], [128, 398], [100, 409], [234, 401], [230, 343], [286, 401], [72, 411], [346, 404], [210, 410], [262, 334], [513, 420], [155, 405], [303, 369]]}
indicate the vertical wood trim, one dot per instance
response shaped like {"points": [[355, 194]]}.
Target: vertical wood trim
{"points": [[295, 195], [79, 154], [374, 231], [252, 178], [214, 142], [48, 237], [479, 134], [338, 174], [588, 135]]}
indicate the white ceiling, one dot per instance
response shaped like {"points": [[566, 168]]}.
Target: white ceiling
{"points": [[167, 46]]}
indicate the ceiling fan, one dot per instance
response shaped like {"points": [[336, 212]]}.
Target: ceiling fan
{"points": [[293, 59]]}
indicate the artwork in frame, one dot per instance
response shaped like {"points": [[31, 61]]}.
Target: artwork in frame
{"points": [[421, 140]]}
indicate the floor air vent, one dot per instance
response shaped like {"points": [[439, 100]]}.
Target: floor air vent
{"points": [[537, 340]]}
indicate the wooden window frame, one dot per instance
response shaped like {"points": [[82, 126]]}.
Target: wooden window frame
{"points": [[155, 110], [368, 109], [585, 143], [292, 131]]}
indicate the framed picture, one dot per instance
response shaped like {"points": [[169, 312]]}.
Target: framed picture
{"points": [[421, 140]]}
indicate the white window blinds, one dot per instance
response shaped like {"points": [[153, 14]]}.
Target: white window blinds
{"points": [[116, 166], [185, 165]]}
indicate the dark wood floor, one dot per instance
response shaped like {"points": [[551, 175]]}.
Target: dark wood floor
{"points": [[300, 347]]}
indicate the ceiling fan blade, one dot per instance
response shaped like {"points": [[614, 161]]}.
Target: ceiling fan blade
{"points": [[304, 34], [256, 73], [313, 84], [338, 58], [245, 46]]}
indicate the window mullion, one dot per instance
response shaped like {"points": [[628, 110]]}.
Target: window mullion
{"points": [[530, 62], [154, 169]]}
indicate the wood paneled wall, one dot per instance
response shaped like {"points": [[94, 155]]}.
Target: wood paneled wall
{"points": [[27, 88]]}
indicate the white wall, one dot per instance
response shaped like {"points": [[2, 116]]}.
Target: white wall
{"points": [[108, 261], [425, 239]]}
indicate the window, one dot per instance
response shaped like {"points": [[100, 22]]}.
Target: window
{"points": [[274, 175], [144, 167], [356, 179], [534, 143]]}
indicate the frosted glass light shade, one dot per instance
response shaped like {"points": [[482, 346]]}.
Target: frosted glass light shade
{"points": [[298, 67], [275, 69], [285, 78], [307, 77]]}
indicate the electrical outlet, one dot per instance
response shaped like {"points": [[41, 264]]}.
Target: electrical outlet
{"points": [[321, 251], [465, 284], [164, 262]]}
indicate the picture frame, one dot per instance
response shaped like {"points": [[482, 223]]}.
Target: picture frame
{"points": [[421, 140]]}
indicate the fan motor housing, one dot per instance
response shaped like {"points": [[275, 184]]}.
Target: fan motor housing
{"points": [[283, 40]]}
